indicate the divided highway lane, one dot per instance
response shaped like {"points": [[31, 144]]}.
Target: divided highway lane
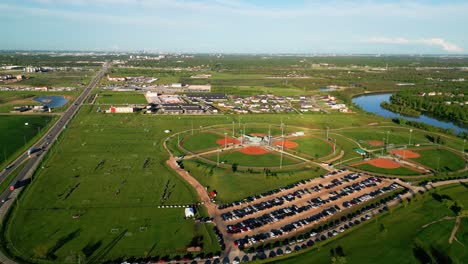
{"points": [[45, 142]]}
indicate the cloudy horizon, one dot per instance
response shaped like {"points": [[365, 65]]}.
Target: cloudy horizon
{"points": [[237, 26]]}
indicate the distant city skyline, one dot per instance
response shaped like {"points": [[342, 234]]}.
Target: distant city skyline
{"points": [[237, 26]]}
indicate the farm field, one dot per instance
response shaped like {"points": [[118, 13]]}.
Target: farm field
{"points": [[15, 136], [121, 98], [448, 161], [403, 235], [233, 186]]}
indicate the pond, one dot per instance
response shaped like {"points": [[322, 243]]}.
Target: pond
{"points": [[51, 100], [371, 103]]}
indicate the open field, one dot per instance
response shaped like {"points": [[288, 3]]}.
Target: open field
{"points": [[115, 188], [55, 79], [440, 159], [15, 136], [117, 98], [233, 186], [399, 235]]}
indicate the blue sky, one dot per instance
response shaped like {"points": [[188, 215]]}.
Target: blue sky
{"points": [[236, 26]]}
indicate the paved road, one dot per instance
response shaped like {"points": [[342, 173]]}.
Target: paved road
{"points": [[44, 143], [33, 161]]}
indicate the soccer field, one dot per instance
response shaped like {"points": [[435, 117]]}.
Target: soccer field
{"points": [[100, 188]]}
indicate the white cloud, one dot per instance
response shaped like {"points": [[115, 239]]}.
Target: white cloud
{"points": [[445, 45]]}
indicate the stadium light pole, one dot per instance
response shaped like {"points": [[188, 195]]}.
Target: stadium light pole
{"points": [[383, 139], [334, 147], [192, 127], [463, 149], [388, 133], [327, 132], [282, 149], [269, 135], [233, 128], [410, 132], [217, 160], [225, 140]]}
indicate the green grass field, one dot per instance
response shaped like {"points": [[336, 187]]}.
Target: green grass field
{"points": [[398, 171], [120, 98], [241, 159], [113, 187], [57, 79], [15, 136], [313, 147], [10, 99], [394, 236], [448, 162], [233, 186], [200, 142]]}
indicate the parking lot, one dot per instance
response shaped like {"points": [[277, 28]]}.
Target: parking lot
{"points": [[288, 210]]}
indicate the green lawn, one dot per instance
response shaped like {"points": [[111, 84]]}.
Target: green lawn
{"points": [[397, 171], [16, 136], [312, 146], [121, 98], [394, 236], [241, 159], [235, 186], [200, 142], [111, 170], [448, 162]]}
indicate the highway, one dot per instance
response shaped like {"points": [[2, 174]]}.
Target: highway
{"points": [[43, 144]]}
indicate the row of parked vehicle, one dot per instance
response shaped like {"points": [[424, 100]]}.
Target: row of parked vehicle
{"points": [[251, 199], [250, 240], [368, 196], [276, 201]]}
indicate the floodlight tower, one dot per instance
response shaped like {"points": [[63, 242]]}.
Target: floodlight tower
{"points": [[225, 140], [233, 129], [410, 132]]}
